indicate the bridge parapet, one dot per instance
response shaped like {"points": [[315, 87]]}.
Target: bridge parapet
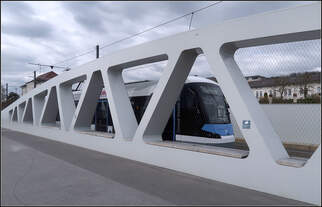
{"points": [[262, 170]]}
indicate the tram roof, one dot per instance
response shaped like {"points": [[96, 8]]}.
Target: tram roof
{"points": [[146, 87]]}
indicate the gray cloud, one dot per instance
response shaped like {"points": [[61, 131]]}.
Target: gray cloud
{"points": [[21, 21], [132, 15], [48, 32], [14, 58], [17, 10], [87, 14], [34, 29]]}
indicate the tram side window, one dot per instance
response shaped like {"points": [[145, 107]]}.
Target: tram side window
{"points": [[188, 99], [214, 104]]}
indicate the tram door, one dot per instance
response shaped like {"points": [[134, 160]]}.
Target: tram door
{"points": [[191, 118], [100, 116]]}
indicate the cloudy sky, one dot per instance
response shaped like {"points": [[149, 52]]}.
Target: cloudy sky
{"points": [[52, 32]]}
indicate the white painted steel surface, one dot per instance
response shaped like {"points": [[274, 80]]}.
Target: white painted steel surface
{"points": [[259, 171]]}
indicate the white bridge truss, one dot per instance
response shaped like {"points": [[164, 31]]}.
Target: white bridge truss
{"points": [[35, 113]]}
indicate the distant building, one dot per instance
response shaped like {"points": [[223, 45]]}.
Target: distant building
{"points": [[25, 88], [292, 85]]}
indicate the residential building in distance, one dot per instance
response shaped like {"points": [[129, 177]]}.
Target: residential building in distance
{"points": [[286, 87], [39, 80]]}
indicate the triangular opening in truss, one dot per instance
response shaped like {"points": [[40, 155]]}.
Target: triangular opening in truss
{"points": [[21, 109], [118, 106], [286, 81], [50, 116], [15, 115], [28, 116], [77, 89], [92, 108], [140, 82], [200, 118], [69, 93]]}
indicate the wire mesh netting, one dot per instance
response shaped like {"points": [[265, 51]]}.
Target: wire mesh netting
{"points": [[285, 79]]}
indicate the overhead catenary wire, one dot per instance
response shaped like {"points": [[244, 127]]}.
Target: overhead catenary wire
{"points": [[51, 66], [159, 25], [144, 31], [88, 51], [76, 56]]}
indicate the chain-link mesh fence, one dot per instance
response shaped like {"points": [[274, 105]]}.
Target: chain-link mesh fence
{"points": [[285, 79]]}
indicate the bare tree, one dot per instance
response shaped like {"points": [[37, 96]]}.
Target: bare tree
{"points": [[281, 82], [304, 80]]}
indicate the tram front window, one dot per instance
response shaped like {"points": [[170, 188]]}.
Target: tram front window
{"points": [[213, 104]]}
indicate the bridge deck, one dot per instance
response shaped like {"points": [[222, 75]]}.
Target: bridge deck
{"points": [[37, 171]]}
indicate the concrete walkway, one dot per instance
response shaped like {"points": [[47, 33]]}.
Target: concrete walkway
{"points": [[37, 171]]}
